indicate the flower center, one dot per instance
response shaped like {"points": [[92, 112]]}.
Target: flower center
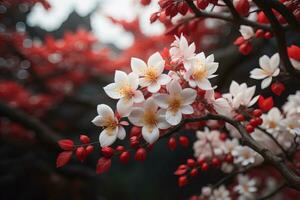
{"points": [[151, 74], [200, 72], [149, 118], [126, 91], [273, 124], [110, 125], [175, 104]]}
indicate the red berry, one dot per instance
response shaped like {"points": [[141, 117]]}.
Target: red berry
{"points": [[259, 33], [172, 144], [245, 48], [257, 113], [238, 41], [229, 158], [84, 139], [124, 157], [184, 141], [182, 8], [249, 128], [140, 154], [120, 148], [277, 88], [242, 7], [253, 122], [89, 149], [201, 161], [145, 2], [182, 181], [216, 162], [135, 131], [204, 166], [202, 4], [194, 172], [259, 121], [223, 136], [107, 152], [80, 153], [268, 35], [134, 142], [66, 144], [191, 162], [239, 117]]}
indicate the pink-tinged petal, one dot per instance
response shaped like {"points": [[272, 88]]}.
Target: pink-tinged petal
{"points": [[124, 106], [234, 88], [138, 66], [150, 105], [295, 63], [113, 91], [121, 77], [173, 118], [163, 79], [276, 73], [248, 94], [187, 110], [201, 56], [121, 132], [183, 44], [136, 116], [144, 82], [204, 84], [258, 73], [133, 80], [157, 62], [210, 58], [138, 97], [266, 82], [162, 123], [237, 100], [275, 60], [222, 107], [264, 63], [150, 134], [107, 137], [212, 68], [174, 87], [188, 95], [253, 101], [154, 87], [105, 111], [98, 121], [162, 100], [192, 83]]}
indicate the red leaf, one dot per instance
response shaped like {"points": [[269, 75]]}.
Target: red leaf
{"points": [[265, 104], [63, 158], [103, 165], [66, 144], [181, 170]]}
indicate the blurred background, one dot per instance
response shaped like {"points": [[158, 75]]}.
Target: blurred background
{"points": [[55, 57]]}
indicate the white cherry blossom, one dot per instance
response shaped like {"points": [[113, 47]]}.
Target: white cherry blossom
{"points": [[271, 120], [269, 67], [125, 89], [244, 156], [150, 118], [112, 129], [292, 106], [182, 52], [176, 102], [220, 193], [247, 32], [246, 188], [151, 74], [202, 68], [220, 105]]}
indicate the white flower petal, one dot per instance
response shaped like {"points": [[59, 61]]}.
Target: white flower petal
{"points": [[258, 73], [157, 62], [144, 82], [162, 100], [121, 77], [264, 63], [106, 138], [189, 95], [276, 73], [124, 106], [136, 116], [150, 105], [275, 60], [187, 110], [234, 88], [133, 80], [174, 88], [212, 68], [121, 132], [204, 84], [98, 121], [105, 111], [154, 87], [138, 66], [173, 118], [138, 97], [150, 134], [163, 79], [266, 82], [113, 91]]}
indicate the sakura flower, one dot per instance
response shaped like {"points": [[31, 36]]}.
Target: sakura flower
{"points": [[220, 193], [125, 89], [240, 95], [112, 129], [220, 105], [245, 156], [246, 188], [208, 144], [151, 73], [177, 102], [247, 32], [272, 120], [291, 124], [150, 118], [269, 68], [292, 106], [182, 52], [201, 69]]}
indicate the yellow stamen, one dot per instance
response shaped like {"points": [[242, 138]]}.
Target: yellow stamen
{"points": [[200, 72], [110, 125], [151, 74], [175, 104], [126, 91]]}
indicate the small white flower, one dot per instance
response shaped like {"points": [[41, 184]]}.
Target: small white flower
{"points": [[220, 105], [292, 106], [246, 188], [110, 123], [151, 73], [208, 144], [244, 156], [291, 124], [241, 95], [125, 89], [220, 193], [202, 68], [269, 67], [182, 52], [271, 121], [150, 118], [247, 32], [177, 102], [229, 145]]}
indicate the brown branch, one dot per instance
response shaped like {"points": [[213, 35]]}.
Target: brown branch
{"points": [[274, 192], [291, 178], [280, 38]]}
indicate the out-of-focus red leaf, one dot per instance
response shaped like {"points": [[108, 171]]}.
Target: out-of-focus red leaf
{"points": [[63, 158], [103, 165], [66, 144]]}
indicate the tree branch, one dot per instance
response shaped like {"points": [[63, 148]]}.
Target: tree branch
{"points": [[272, 193]]}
